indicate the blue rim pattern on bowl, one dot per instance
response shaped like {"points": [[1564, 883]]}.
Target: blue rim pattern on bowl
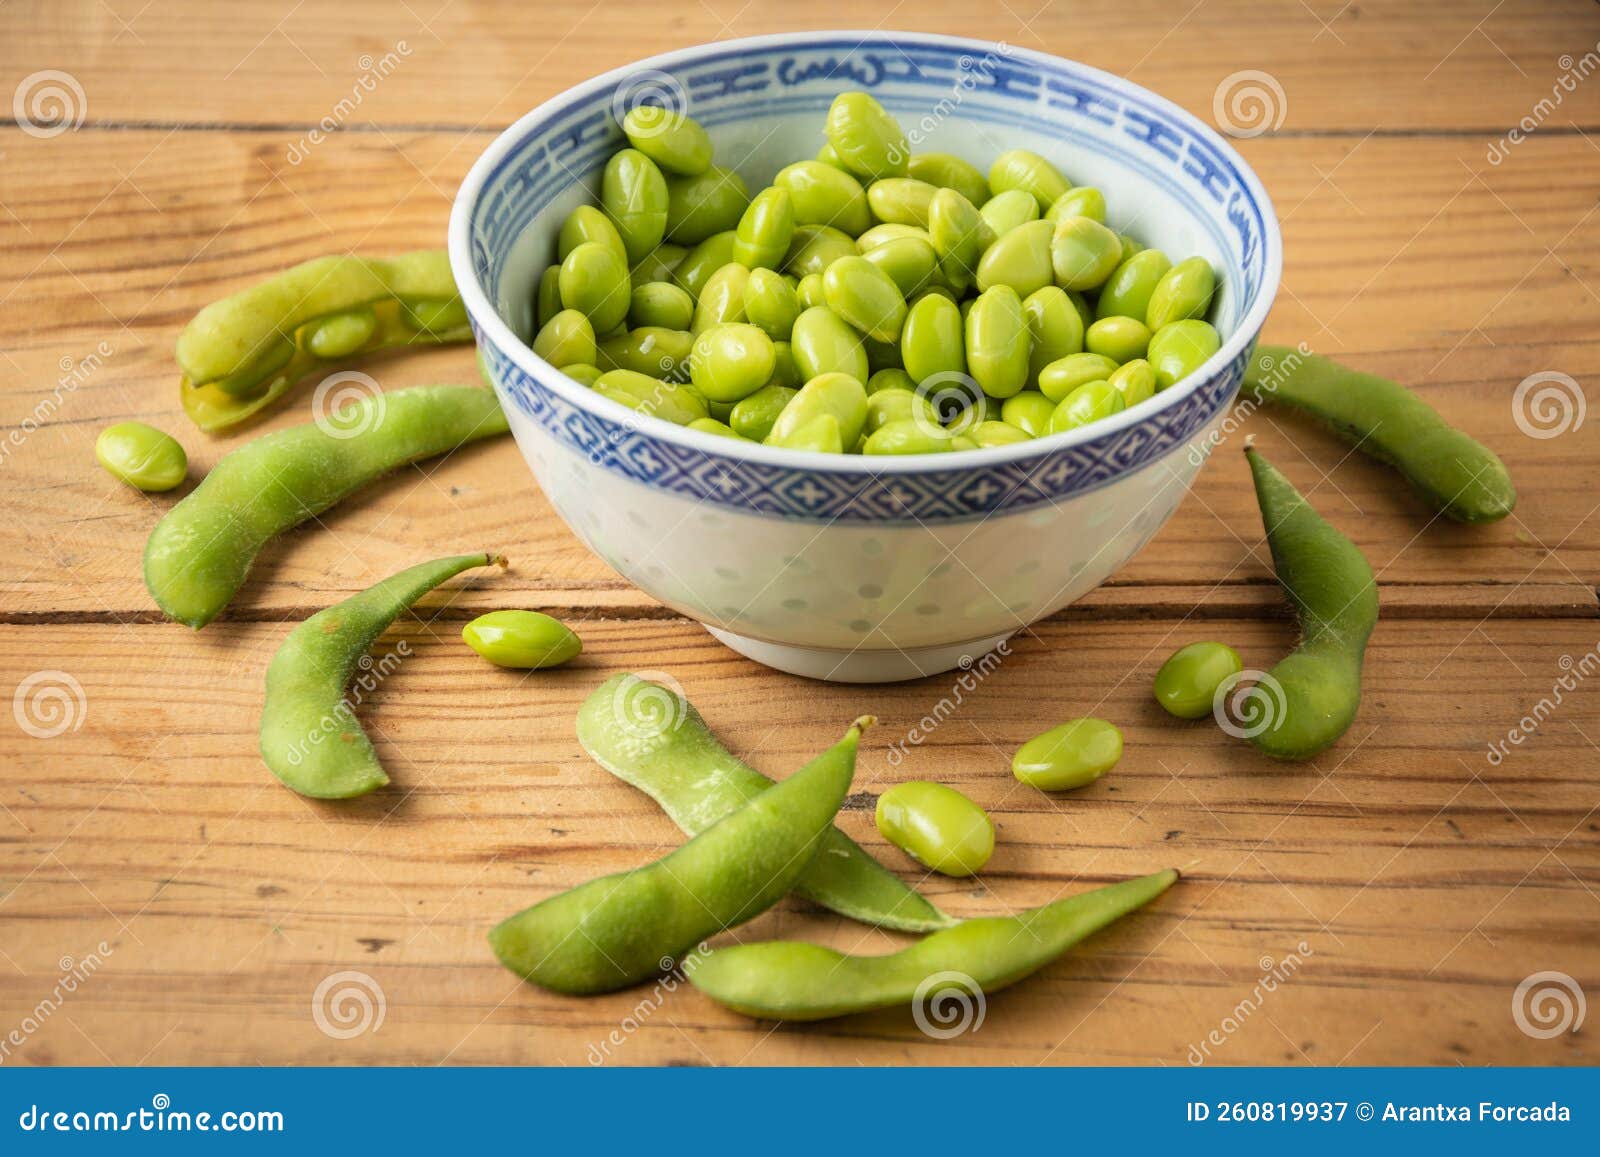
{"points": [[1165, 145]]}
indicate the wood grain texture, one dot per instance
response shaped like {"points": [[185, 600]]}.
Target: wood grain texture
{"points": [[1412, 880]]}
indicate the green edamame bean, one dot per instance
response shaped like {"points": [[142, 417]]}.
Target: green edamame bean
{"points": [[866, 297], [669, 138], [881, 355], [594, 281], [547, 297], [793, 980], [937, 826], [909, 436], [668, 401], [809, 291], [633, 194], [815, 247], [1082, 201], [1029, 412], [949, 172], [910, 262], [721, 298], [585, 375], [890, 231], [959, 235], [700, 262], [1184, 291], [1310, 697], [657, 265], [824, 194], [997, 342], [784, 370], [933, 339], [567, 340], [1005, 211], [836, 395], [824, 343], [433, 316], [1088, 403], [901, 200], [898, 404], [1054, 329], [771, 303], [705, 204], [651, 350], [867, 140], [1062, 376], [827, 156], [526, 640], [652, 738], [990, 433], [1073, 755], [1030, 173], [587, 223], [731, 362], [894, 378], [342, 334], [754, 416], [1134, 380], [761, 239], [660, 304], [821, 435], [1179, 348], [1130, 245], [1083, 253], [1127, 291], [720, 429], [1122, 339], [1456, 474], [142, 456], [1188, 681], [198, 555], [619, 929], [1020, 259], [310, 737]]}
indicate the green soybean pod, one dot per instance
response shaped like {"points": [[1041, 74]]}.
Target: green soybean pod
{"points": [[824, 194], [814, 248], [1030, 173], [1073, 755], [1054, 329], [992, 433], [754, 416], [657, 265], [668, 401], [761, 239], [835, 395], [1187, 684], [866, 297], [1062, 376], [705, 204], [567, 340], [771, 303], [910, 262], [1029, 411], [901, 200], [1127, 291], [669, 138], [142, 456], [721, 297], [660, 304], [526, 640], [1134, 380], [594, 281], [1082, 201], [547, 295], [824, 343], [950, 172], [997, 342], [1084, 253], [1179, 348], [809, 291], [959, 235], [1456, 474], [1310, 697], [731, 362], [933, 339], [633, 194], [700, 262], [1088, 403], [937, 826], [1185, 291], [1005, 211], [909, 436], [1122, 339], [587, 223], [1020, 259], [868, 141], [650, 350]]}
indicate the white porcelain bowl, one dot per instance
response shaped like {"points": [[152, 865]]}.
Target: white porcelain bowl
{"points": [[840, 566]]}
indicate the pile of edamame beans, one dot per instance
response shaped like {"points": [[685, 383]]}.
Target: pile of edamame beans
{"points": [[869, 301]]}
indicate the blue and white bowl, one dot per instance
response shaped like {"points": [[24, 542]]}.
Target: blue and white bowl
{"points": [[847, 567]]}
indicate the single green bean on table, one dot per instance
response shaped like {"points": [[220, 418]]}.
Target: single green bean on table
{"points": [[793, 980], [619, 929], [1309, 698], [1075, 754], [310, 737], [241, 354], [527, 640], [651, 737], [1188, 681], [1455, 473], [198, 555], [937, 826], [142, 456]]}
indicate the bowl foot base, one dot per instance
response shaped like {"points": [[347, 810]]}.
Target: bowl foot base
{"points": [[836, 666]]}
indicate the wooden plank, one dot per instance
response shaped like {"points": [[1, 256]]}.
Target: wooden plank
{"points": [[1406, 882], [193, 216], [1425, 65]]}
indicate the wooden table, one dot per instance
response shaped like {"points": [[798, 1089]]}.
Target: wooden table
{"points": [[1405, 882]]}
